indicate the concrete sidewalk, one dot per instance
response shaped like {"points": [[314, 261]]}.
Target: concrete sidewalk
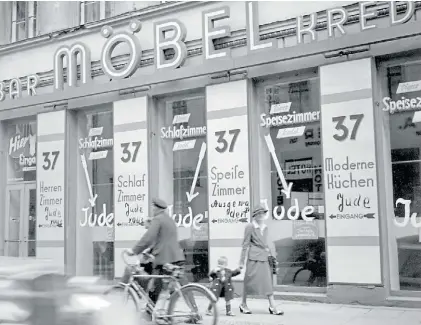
{"points": [[303, 313]]}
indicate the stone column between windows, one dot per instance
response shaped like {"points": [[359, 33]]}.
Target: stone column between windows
{"points": [[227, 111], [51, 189], [350, 172], [131, 185]]}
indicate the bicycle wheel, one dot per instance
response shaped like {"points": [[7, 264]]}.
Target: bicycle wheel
{"points": [[126, 294], [190, 305]]}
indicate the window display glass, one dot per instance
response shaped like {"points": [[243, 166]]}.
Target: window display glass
{"points": [[95, 227], [290, 156], [182, 175], [402, 104], [22, 151]]}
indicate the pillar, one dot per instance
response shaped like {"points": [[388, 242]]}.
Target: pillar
{"points": [[51, 186], [131, 186], [350, 173], [228, 169]]}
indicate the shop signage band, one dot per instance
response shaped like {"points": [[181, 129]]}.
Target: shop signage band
{"points": [[171, 35]]}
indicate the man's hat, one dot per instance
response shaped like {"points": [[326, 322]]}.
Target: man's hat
{"points": [[159, 203], [258, 210]]}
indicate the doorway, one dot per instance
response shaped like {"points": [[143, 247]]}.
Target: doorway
{"points": [[21, 221]]}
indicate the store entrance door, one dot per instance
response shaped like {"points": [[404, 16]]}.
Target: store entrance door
{"points": [[21, 221]]}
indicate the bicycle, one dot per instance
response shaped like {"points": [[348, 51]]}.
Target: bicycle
{"points": [[172, 291]]}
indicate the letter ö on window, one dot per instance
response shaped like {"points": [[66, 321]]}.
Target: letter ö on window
{"points": [[412, 217], [135, 51]]}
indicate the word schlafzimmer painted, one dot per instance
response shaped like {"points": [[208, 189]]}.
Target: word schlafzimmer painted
{"points": [[171, 34]]}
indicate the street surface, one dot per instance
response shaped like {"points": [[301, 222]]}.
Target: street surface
{"points": [[303, 313]]}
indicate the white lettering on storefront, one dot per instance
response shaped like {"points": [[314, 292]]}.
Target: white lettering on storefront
{"points": [[95, 143], [289, 119], [172, 132], [187, 220], [403, 104], [93, 220], [292, 213], [407, 216]]}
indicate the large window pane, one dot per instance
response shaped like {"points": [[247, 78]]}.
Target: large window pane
{"points": [[182, 129], [95, 238], [405, 131], [291, 111]]}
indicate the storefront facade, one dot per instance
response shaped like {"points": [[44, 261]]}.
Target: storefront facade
{"points": [[228, 106]]}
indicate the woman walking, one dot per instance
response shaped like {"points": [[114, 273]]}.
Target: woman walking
{"points": [[258, 277]]}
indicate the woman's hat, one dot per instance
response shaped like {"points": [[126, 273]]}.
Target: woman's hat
{"points": [[259, 210]]}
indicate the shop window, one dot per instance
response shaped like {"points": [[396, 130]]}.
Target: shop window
{"points": [[95, 238], [24, 15], [290, 121], [403, 105], [22, 146], [92, 11], [182, 140]]}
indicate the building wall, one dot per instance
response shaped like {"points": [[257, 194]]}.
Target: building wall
{"points": [[360, 264]]}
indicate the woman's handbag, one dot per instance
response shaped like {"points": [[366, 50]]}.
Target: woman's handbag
{"points": [[272, 263]]}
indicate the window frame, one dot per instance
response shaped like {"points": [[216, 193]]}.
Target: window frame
{"points": [[82, 11], [30, 18], [384, 162], [260, 83]]}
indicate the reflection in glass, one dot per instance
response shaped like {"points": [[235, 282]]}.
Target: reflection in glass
{"points": [[299, 245], [14, 220], [405, 138]]}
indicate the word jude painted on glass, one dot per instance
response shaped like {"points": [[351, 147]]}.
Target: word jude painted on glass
{"points": [[171, 34]]}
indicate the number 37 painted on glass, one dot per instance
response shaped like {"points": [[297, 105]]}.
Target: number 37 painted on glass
{"points": [[343, 129], [223, 143]]}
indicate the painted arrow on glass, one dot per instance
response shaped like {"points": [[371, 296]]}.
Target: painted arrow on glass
{"points": [[369, 215], [191, 196], [88, 181], [287, 187]]}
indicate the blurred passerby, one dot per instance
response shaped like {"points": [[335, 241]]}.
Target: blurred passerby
{"points": [[258, 276]]}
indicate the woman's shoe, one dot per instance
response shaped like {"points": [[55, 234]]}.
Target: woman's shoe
{"points": [[244, 309], [273, 311]]}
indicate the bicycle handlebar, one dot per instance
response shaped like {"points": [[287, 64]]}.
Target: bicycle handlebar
{"points": [[145, 254]]}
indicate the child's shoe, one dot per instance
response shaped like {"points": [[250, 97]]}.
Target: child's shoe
{"points": [[230, 313], [209, 312]]}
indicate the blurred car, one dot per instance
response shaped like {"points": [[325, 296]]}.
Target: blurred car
{"points": [[34, 291]]}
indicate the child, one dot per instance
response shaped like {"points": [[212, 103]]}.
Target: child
{"points": [[221, 283]]}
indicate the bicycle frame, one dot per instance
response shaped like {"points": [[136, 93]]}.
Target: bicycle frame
{"points": [[143, 294]]}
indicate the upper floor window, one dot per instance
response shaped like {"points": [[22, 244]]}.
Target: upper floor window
{"points": [[92, 11], [96, 10], [23, 20]]}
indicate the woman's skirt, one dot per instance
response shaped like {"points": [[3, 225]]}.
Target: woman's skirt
{"points": [[258, 278]]}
